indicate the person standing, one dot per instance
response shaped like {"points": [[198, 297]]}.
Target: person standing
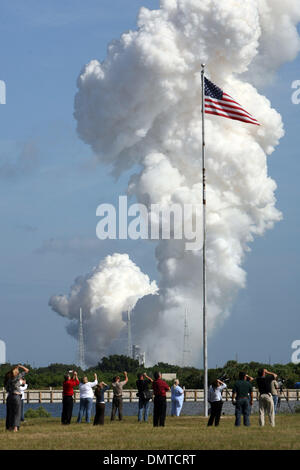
{"points": [[266, 403], [160, 389], [117, 403], [12, 383], [144, 394], [250, 379], [274, 391], [100, 389], [216, 402], [68, 392], [242, 398], [280, 393], [23, 387], [86, 398], [177, 396]]}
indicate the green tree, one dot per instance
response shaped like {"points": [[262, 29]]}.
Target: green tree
{"points": [[118, 364]]}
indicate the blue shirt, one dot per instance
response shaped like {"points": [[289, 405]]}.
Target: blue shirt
{"points": [[176, 392], [99, 394]]}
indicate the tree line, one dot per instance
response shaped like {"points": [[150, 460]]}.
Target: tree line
{"points": [[190, 377]]}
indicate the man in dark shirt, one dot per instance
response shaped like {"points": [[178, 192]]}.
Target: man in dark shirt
{"points": [[144, 394], [160, 388], [266, 403], [242, 398]]}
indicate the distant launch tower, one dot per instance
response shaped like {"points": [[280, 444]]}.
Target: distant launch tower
{"points": [[129, 338], [81, 343], [133, 350], [186, 353]]}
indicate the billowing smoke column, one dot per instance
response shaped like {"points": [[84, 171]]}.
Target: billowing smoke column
{"points": [[110, 289], [141, 106]]}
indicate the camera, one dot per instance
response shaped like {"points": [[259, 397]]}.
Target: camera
{"points": [[280, 382], [224, 378]]}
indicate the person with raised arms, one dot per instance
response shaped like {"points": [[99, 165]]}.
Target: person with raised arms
{"points": [[68, 392], [12, 384], [117, 403], [86, 398]]}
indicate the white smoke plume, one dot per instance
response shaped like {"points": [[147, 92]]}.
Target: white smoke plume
{"points": [[279, 41], [113, 287], [141, 106]]}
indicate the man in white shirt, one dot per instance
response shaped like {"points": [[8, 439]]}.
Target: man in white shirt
{"points": [[274, 391], [86, 398], [23, 387]]}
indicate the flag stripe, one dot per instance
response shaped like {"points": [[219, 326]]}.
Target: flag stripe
{"points": [[233, 111], [232, 117], [221, 104], [230, 109], [226, 106], [231, 100]]}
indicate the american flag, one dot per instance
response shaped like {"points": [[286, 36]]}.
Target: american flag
{"points": [[219, 103]]}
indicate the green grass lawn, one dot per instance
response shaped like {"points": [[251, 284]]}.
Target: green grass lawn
{"points": [[184, 433]]}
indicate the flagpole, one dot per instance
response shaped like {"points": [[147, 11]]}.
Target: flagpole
{"points": [[204, 246]]}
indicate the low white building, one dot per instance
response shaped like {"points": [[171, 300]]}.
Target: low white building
{"points": [[138, 355], [2, 352], [168, 377]]}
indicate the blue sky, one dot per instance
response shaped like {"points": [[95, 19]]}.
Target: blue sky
{"points": [[50, 188]]}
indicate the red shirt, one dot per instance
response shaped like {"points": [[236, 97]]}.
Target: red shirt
{"points": [[160, 387], [68, 387]]}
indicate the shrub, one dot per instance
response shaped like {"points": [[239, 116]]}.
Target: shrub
{"points": [[38, 413]]}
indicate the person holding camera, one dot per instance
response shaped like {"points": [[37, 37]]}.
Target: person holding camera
{"points": [[242, 398], [216, 402], [86, 398], [266, 403], [23, 388], [68, 392], [280, 392], [144, 395], [117, 403], [160, 389], [100, 389], [12, 384], [275, 390]]}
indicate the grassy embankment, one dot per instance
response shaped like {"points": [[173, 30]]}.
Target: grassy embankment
{"points": [[182, 433]]}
